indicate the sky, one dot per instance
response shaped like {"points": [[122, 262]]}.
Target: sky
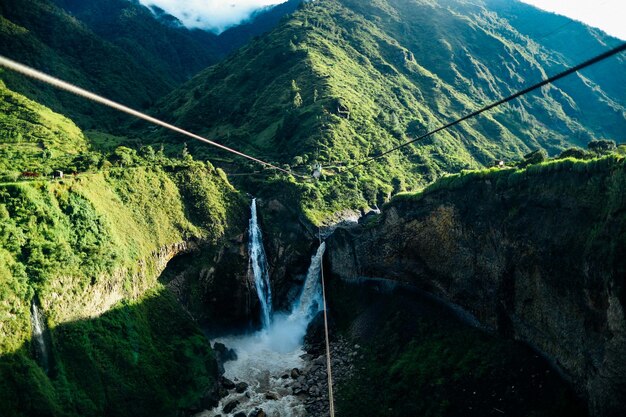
{"points": [[213, 15], [218, 15], [607, 15]]}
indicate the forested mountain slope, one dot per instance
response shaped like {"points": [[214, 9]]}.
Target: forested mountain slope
{"points": [[117, 48], [342, 80], [88, 251], [164, 46]]}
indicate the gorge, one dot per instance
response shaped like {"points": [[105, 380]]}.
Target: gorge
{"points": [[478, 271]]}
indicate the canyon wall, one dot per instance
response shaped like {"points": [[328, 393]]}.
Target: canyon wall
{"points": [[538, 255]]}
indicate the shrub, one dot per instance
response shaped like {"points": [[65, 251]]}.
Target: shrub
{"points": [[576, 153], [602, 146]]}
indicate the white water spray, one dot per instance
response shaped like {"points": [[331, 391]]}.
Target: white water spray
{"points": [[258, 266], [37, 321], [265, 355], [310, 301]]}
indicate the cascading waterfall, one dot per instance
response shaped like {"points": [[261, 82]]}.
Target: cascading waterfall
{"points": [[258, 266], [265, 355], [310, 301], [37, 321]]}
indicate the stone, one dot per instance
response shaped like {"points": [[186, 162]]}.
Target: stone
{"points": [[227, 383], [270, 395], [240, 414], [314, 391], [228, 408], [225, 353], [295, 373], [241, 387], [212, 397]]}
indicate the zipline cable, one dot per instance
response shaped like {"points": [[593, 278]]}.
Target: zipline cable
{"points": [[331, 397], [63, 85], [594, 60]]}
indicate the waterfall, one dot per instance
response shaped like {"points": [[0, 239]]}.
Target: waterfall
{"points": [[310, 301], [263, 357], [258, 266], [37, 321]]}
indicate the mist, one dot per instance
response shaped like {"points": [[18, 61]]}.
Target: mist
{"points": [[213, 15]]}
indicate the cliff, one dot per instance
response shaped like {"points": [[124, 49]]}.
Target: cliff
{"points": [[90, 250], [537, 254]]}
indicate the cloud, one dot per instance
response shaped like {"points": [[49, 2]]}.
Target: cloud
{"points": [[213, 15]]}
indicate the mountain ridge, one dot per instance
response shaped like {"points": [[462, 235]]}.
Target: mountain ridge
{"points": [[342, 80]]}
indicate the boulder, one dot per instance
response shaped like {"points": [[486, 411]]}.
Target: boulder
{"points": [[227, 383], [228, 408], [272, 396], [241, 387]]}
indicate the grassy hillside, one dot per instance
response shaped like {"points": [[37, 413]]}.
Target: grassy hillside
{"points": [[343, 79], [117, 48], [40, 34], [89, 250], [33, 138]]}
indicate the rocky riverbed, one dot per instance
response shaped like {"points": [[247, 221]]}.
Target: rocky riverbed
{"points": [[281, 391]]}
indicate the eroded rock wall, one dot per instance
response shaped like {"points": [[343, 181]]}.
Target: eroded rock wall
{"points": [[538, 255]]}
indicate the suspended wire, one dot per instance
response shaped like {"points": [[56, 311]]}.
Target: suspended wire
{"points": [[63, 85], [331, 397], [594, 60]]}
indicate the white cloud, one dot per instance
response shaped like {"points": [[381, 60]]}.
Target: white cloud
{"points": [[213, 15], [607, 15]]}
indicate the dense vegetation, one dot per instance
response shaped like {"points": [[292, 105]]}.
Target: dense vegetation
{"points": [[34, 139], [338, 81], [604, 165], [89, 249], [342, 80], [419, 360], [116, 48]]}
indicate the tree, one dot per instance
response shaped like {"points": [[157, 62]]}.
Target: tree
{"points": [[148, 153], [123, 156], [602, 146], [160, 155], [185, 153], [297, 101], [86, 162], [574, 153], [535, 157]]}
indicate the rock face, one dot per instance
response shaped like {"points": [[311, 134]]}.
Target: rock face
{"points": [[215, 284], [289, 241], [538, 255]]}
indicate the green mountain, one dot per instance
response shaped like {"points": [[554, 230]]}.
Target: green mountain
{"points": [[342, 80], [33, 138], [166, 48], [89, 250], [40, 34], [117, 48], [143, 242]]}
